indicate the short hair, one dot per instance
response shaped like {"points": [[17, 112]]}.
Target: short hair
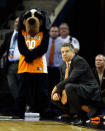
{"points": [[54, 27], [101, 55], [64, 23], [68, 45]]}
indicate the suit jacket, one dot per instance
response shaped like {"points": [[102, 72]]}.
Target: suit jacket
{"points": [[102, 85], [81, 78], [5, 47]]}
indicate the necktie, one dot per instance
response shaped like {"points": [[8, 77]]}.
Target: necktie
{"points": [[67, 70], [51, 56]]}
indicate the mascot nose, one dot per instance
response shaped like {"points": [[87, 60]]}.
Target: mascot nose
{"points": [[31, 21]]}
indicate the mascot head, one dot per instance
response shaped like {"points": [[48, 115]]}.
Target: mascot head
{"points": [[33, 21]]}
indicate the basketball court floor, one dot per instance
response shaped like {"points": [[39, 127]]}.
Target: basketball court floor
{"points": [[33, 123]]}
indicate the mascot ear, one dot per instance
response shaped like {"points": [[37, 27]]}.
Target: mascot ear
{"points": [[46, 21]]}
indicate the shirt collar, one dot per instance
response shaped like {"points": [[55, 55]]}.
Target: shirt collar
{"points": [[68, 63]]}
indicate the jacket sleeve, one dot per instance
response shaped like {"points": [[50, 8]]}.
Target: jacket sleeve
{"points": [[79, 67], [3, 47]]}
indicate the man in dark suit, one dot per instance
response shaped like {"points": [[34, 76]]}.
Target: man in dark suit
{"points": [[99, 72], [10, 47], [79, 91]]}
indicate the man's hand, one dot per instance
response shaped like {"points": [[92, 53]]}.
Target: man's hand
{"points": [[56, 97], [55, 90]]}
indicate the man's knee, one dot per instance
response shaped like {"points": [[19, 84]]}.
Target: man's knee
{"points": [[69, 88], [64, 97]]}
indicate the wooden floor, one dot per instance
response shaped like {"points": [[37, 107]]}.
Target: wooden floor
{"points": [[37, 125]]}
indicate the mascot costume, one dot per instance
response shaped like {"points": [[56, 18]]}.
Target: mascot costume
{"points": [[33, 44]]}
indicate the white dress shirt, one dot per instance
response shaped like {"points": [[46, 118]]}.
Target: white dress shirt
{"points": [[57, 53], [75, 42], [14, 50]]}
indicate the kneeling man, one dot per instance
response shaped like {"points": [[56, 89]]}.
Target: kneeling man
{"points": [[78, 91]]}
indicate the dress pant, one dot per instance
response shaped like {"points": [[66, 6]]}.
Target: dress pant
{"points": [[74, 102], [13, 82], [13, 79]]}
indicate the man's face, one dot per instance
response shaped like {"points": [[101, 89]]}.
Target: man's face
{"points": [[99, 62], [66, 54], [16, 23], [64, 30], [54, 32]]}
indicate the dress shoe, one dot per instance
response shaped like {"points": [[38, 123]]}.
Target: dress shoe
{"points": [[65, 118], [18, 117], [65, 115], [78, 122]]}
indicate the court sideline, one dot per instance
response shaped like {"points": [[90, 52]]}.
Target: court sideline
{"points": [[33, 123]]}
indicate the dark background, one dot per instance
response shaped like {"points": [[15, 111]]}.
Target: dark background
{"points": [[7, 11], [86, 19]]}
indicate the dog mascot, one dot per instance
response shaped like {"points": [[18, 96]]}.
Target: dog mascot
{"points": [[33, 44]]}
